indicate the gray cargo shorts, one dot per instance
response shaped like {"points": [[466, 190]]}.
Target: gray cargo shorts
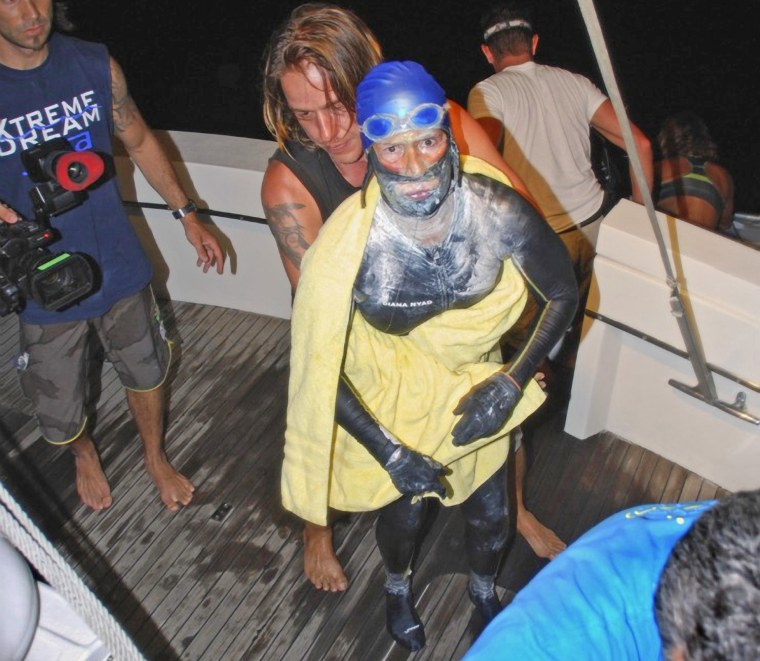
{"points": [[54, 362]]}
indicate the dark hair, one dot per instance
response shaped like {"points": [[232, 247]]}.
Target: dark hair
{"points": [[61, 16], [333, 39], [685, 134], [708, 599], [510, 40]]}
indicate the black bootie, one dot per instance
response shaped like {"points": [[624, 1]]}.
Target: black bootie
{"points": [[483, 596], [402, 620]]}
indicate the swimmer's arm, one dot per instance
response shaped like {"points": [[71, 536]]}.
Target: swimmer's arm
{"points": [[542, 259], [412, 473], [292, 215]]}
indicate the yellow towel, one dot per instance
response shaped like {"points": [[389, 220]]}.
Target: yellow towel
{"points": [[411, 383]]}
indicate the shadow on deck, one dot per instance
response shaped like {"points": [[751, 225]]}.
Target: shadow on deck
{"points": [[222, 579]]}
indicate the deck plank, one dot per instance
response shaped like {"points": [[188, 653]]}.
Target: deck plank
{"points": [[188, 587], [549, 453]]}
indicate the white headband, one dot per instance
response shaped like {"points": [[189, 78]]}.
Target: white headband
{"points": [[499, 27]]}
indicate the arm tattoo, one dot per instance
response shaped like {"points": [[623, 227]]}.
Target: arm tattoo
{"points": [[287, 231], [122, 105]]}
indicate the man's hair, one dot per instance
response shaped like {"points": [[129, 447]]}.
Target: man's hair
{"points": [[512, 39], [61, 19], [332, 38], [708, 599], [685, 134]]}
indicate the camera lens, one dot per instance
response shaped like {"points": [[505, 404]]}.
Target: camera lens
{"points": [[56, 281], [77, 172]]}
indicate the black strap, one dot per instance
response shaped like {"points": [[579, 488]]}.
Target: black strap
{"points": [[609, 201]]}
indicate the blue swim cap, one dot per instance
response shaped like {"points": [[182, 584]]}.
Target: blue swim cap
{"points": [[398, 96]]}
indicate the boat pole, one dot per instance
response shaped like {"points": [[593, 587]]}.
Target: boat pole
{"points": [[705, 388]]}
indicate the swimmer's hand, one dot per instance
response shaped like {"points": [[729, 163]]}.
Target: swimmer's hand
{"points": [[414, 474], [485, 408]]}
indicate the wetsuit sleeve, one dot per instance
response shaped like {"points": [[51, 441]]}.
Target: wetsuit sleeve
{"points": [[412, 473], [542, 259]]}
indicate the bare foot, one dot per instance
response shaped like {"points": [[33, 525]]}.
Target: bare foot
{"points": [[92, 485], [175, 489], [542, 540], [320, 564]]}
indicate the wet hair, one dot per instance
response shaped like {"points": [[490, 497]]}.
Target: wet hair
{"points": [[685, 134], [512, 40], [332, 38], [708, 599]]}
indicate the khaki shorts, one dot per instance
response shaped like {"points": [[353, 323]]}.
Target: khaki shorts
{"points": [[54, 363]]}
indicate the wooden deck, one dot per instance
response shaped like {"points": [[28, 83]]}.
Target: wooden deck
{"points": [[222, 579]]}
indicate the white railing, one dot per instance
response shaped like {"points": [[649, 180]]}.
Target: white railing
{"points": [[224, 174], [621, 381]]}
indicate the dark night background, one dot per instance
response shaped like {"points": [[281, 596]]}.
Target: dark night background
{"points": [[194, 65]]}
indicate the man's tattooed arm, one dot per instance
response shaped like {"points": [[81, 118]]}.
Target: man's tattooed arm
{"points": [[123, 107], [287, 231]]}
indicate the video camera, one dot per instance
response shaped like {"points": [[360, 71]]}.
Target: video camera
{"points": [[27, 268]]}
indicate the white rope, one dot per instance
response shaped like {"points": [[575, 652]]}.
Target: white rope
{"points": [[27, 538]]}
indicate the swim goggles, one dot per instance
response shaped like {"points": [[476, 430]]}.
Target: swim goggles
{"points": [[424, 116]]}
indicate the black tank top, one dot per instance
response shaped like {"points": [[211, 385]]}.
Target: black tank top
{"points": [[316, 171]]}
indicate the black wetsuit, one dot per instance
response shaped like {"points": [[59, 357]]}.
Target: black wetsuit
{"points": [[403, 282]]}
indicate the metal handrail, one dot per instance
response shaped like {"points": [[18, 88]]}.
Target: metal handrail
{"points": [[202, 211], [741, 397]]}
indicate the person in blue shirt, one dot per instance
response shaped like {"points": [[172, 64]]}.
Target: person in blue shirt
{"points": [[599, 599]]}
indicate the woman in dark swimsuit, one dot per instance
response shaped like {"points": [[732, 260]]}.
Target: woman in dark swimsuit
{"points": [[691, 184]]}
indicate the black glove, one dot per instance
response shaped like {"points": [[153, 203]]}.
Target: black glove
{"points": [[413, 473], [485, 408]]}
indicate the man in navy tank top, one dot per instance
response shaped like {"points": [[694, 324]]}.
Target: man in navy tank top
{"points": [[54, 87]]}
